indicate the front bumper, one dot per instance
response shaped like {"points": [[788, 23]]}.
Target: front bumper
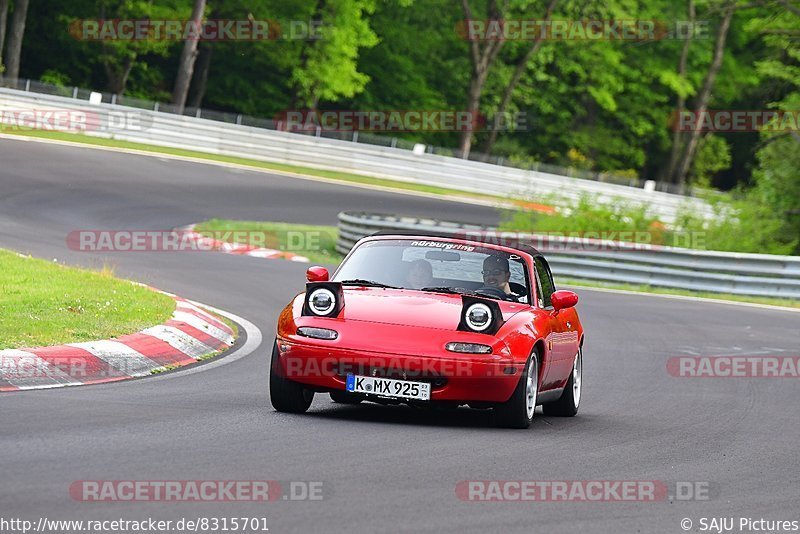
{"points": [[453, 377]]}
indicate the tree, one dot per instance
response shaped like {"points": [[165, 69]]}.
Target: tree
{"points": [[685, 162], [188, 57], [681, 88], [522, 65], [328, 66], [119, 57], [482, 57], [777, 182], [15, 36], [200, 75], [3, 20]]}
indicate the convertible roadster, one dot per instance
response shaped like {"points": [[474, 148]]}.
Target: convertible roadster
{"points": [[432, 320]]}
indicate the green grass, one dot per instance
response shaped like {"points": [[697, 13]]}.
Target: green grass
{"points": [[43, 303], [318, 173], [317, 243]]}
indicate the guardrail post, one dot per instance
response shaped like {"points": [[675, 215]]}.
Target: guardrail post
{"points": [[355, 136], [75, 93], [239, 119], [155, 107], [28, 85], [113, 99]]}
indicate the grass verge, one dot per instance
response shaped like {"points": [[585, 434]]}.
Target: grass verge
{"points": [[317, 243], [308, 171], [44, 303]]}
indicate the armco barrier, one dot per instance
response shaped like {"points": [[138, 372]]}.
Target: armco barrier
{"points": [[191, 133], [720, 272]]}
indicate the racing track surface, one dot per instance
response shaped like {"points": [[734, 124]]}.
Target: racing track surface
{"points": [[385, 469]]}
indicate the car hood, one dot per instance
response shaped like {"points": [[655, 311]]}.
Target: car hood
{"points": [[409, 307]]}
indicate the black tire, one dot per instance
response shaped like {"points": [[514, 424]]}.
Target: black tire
{"points": [[514, 413], [343, 397], [286, 395], [567, 405]]}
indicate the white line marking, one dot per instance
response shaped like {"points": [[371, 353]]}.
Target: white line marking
{"points": [[251, 344], [26, 370], [121, 357], [203, 326], [180, 340]]}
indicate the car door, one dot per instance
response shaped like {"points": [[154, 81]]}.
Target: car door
{"points": [[560, 338]]}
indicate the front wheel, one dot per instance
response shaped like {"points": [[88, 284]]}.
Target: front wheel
{"points": [[518, 411], [567, 405], [286, 395]]}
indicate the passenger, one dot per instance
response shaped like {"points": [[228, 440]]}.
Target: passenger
{"points": [[420, 274]]}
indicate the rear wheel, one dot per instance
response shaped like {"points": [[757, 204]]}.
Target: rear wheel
{"points": [[286, 395], [343, 397], [567, 405], [518, 411]]}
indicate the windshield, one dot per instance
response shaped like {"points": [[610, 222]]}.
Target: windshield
{"points": [[431, 265]]}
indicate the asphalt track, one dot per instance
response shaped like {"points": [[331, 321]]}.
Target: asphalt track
{"points": [[384, 469]]}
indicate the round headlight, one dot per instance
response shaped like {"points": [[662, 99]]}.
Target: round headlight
{"points": [[478, 317], [321, 301]]}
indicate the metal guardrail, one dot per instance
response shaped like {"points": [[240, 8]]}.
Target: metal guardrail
{"points": [[719, 272], [238, 140], [369, 138]]}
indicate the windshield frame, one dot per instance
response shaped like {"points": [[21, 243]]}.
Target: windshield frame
{"points": [[527, 259]]}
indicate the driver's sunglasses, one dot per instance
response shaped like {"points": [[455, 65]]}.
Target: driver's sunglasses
{"points": [[493, 272]]}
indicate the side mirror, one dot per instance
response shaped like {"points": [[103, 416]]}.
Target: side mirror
{"points": [[563, 299], [317, 274]]}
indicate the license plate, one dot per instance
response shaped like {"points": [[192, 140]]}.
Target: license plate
{"points": [[388, 387]]}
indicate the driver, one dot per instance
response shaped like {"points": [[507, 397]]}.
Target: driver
{"points": [[420, 274], [496, 274]]}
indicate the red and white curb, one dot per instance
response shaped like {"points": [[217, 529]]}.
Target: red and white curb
{"points": [[205, 242], [191, 334]]}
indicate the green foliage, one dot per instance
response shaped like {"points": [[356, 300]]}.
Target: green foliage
{"points": [[713, 155], [597, 105], [738, 225], [328, 67]]}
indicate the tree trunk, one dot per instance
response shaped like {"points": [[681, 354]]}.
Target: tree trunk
{"points": [[15, 36], [677, 137], [473, 103], [188, 57], [200, 80], [3, 19], [515, 78], [705, 94], [118, 79], [482, 59], [299, 98]]}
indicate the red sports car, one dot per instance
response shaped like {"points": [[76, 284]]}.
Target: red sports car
{"points": [[428, 319]]}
